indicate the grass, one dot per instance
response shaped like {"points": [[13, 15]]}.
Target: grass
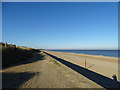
{"points": [[55, 62], [12, 54]]}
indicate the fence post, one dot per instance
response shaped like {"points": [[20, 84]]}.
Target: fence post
{"points": [[85, 63]]}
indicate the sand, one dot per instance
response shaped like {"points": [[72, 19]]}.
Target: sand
{"points": [[47, 72], [107, 66]]}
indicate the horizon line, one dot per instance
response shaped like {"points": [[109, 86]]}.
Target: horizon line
{"points": [[82, 49]]}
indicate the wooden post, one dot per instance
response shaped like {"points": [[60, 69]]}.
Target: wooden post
{"points": [[85, 64]]}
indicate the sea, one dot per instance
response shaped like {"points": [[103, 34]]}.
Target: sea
{"points": [[110, 53]]}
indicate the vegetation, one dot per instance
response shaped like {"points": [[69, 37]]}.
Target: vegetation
{"points": [[12, 54]]}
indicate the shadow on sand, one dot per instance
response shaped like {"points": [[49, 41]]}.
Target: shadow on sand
{"points": [[15, 80], [97, 78]]}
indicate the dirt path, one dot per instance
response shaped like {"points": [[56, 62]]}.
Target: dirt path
{"points": [[44, 73]]}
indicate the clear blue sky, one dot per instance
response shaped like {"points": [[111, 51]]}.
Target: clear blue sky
{"points": [[67, 25]]}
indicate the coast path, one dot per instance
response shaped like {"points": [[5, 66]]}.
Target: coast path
{"points": [[44, 72]]}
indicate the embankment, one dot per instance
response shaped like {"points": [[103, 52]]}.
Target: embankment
{"points": [[12, 54]]}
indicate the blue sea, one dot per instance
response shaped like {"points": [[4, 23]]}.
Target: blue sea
{"points": [[110, 53]]}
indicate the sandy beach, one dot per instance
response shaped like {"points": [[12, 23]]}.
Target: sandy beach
{"points": [[52, 72], [107, 66]]}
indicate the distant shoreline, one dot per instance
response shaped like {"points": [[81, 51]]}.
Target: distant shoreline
{"points": [[107, 53], [88, 55]]}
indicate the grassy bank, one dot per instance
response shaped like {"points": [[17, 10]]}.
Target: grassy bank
{"points": [[12, 54]]}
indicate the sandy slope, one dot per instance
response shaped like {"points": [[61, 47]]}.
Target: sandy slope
{"points": [[45, 73], [107, 66]]}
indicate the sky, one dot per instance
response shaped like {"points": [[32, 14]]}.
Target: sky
{"points": [[61, 25]]}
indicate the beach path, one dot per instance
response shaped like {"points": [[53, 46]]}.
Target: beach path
{"points": [[44, 72]]}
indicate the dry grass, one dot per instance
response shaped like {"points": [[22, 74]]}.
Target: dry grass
{"points": [[12, 54]]}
